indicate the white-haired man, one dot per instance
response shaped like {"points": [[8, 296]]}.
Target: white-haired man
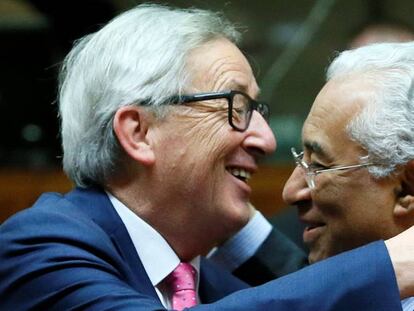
{"points": [[160, 132]]}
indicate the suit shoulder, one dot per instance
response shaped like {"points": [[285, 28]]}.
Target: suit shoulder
{"points": [[51, 217]]}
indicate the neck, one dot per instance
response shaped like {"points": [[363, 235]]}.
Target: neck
{"points": [[177, 227]]}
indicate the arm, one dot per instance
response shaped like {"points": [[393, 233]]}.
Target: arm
{"points": [[362, 279], [259, 253], [57, 261]]}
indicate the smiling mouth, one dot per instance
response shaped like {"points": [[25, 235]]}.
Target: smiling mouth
{"points": [[312, 232], [240, 173], [313, 226]]}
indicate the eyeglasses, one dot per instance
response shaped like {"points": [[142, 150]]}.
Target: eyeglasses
{"points": [[240, 106], [311, 172]]}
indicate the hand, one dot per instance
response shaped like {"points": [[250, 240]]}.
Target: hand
{"points": [[401, 250]]}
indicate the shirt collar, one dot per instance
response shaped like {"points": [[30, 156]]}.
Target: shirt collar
{"points": [[157, 256]]}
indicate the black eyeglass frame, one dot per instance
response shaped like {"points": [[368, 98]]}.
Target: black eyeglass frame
{"points": [[260, 107]]}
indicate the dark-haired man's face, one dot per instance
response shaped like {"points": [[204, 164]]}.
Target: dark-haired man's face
{"points": [[347, 208]]}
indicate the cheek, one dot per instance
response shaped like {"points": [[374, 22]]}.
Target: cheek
{"points": [[329, 198], [207, 135], [359, 218], [351, 195], [342, 209], [356, 209], [347, 207]]}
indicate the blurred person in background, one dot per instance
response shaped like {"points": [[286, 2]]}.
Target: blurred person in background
{"points": [[381, 31]]}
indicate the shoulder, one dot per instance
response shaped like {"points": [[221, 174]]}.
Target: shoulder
{"points": [[52, 216], [55, 245], [77, 220], [53, 225]]}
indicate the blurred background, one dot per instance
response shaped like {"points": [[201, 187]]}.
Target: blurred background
{"points": [[289, 44]]}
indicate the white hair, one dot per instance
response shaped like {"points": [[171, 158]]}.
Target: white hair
{"points": [[385, 126], [138, 56]]}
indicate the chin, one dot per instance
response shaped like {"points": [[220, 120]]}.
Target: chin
{"points": [[315, 256], [311, 259], [238, 218], [242, 213]]}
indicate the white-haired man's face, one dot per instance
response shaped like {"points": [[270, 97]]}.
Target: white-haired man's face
{"points": [[202, 163], [346, 208]]}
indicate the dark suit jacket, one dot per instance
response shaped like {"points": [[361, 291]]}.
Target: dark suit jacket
{"points": [[73, 252], [277, 256]]}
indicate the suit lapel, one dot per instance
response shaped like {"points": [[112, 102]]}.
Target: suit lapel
{"points": [[138, 275], [96, 204]]}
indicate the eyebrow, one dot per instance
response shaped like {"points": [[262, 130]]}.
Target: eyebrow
{"points": [[236, 86], [315, 147]]}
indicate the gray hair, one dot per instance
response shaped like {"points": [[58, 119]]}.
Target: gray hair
{"points": [[384, 127], [138, 56]]}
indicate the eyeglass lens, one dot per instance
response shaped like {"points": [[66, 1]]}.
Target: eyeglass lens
{"points": [[241, 112]]}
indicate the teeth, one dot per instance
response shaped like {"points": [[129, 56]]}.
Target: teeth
{"points": [[240, 173]]}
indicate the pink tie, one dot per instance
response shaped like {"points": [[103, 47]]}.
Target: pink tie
{"points": [[181, 282]]}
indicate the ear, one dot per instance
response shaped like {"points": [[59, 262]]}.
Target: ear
{"points": [[131, 124], [405, 203]]}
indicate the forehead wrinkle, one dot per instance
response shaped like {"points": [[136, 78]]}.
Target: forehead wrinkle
{"points": [[223, 78]]}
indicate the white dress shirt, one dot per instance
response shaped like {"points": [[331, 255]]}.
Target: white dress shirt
{"points": [[157, 256]]}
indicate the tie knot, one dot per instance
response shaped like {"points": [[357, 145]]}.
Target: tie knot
{"points": [[183, 277], [181, 283]]}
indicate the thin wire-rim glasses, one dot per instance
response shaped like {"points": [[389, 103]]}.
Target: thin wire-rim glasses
{"points": [[310, 172]]}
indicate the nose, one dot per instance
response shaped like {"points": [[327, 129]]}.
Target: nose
{"points": [[260, 138], [296, 189]]}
